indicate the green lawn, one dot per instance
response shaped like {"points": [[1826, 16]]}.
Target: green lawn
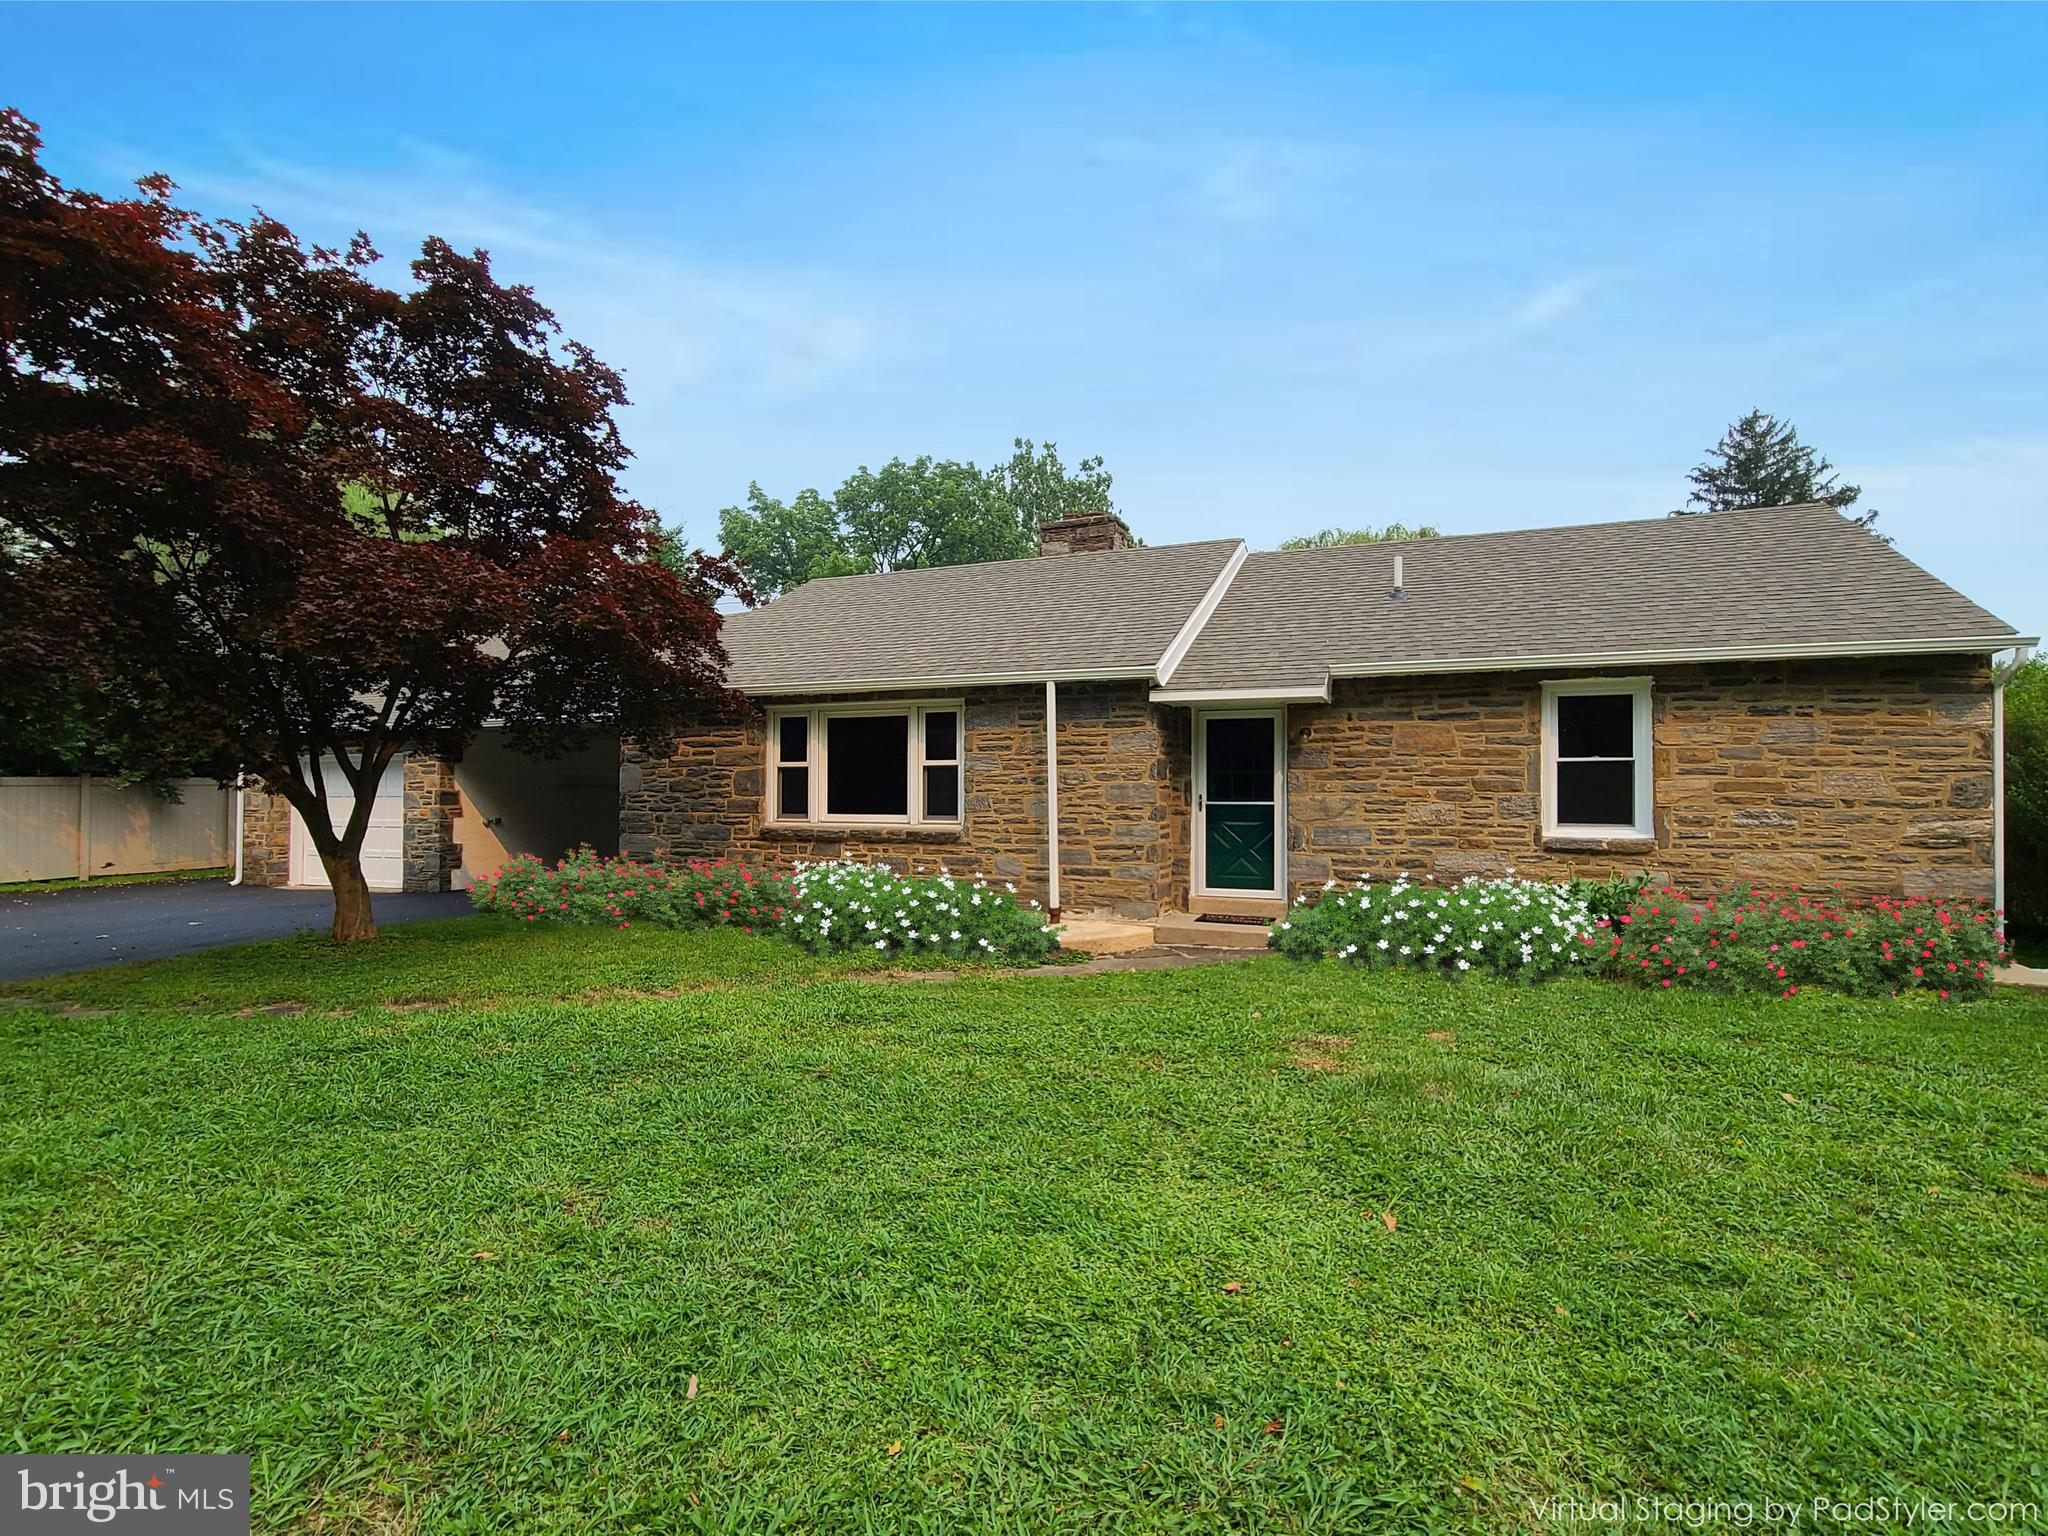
{"points": [[160, 877], [957, 1255]]}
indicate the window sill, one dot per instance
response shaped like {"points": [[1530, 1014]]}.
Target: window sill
{"points": [[1567, 841], [809, 831]]}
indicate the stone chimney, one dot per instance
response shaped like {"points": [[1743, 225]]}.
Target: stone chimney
{"points": [[1084, 535]]}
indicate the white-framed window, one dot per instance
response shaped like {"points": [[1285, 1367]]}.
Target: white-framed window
{"points": [[1596, 758], [865, 764]]}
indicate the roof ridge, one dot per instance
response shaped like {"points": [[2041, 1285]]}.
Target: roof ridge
{"points": [[982, 565], [1610, 522]]}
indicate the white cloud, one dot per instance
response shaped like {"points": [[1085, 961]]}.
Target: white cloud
{"points": [[669, 321], [1250, 186]]}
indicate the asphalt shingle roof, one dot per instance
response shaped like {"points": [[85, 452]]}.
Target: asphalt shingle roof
{"points": [[1727, 581], [1109, 613]]}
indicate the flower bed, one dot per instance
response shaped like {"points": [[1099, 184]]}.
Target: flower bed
{"points": [[587, 889], [864, 906], [824, 907], [1759, 940], [1520, 929]]}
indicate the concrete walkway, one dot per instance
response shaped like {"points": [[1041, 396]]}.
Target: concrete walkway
{"points": [[2019, 976], [45, 932]]}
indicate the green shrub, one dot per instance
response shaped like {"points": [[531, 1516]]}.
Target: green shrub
{"points": [[2026, 797], [1765, 941], [588, 889], [843, 906], [1607, 898], [1519, 929]]}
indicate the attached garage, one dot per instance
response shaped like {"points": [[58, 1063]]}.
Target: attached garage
{"points": [[438, 823], [383, 844]]}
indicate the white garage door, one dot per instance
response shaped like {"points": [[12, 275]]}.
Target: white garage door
{"points": [[383, 844]]}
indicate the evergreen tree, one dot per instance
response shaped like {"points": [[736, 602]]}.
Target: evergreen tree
{"points": [[1760, 462]]}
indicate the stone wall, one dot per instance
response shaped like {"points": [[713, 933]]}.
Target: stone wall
{"points": [[432, 803], [266, 838], [1123, 839], [1872, 774]]}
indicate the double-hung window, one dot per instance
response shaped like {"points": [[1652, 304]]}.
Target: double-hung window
{"points": [[865, 763], [1596, 758]]}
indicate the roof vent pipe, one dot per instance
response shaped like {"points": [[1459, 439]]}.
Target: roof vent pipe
{"points": [[1397, 594]]}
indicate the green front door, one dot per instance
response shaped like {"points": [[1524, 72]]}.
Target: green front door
{"points": [[1237, 801]]}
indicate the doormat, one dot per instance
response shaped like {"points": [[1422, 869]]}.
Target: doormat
{"points": [[1225, 917]]}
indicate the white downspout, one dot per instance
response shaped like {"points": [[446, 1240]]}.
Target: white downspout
{"points": [[237, 829], [1052, 798]]}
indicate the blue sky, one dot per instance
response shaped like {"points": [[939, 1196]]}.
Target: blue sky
{"points": [[1283, 268]]}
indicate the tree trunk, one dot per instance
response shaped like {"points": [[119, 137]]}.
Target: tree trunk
{"points": [[352, 917]]}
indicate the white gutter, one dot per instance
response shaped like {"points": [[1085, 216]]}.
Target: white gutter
{"points": [[950, 680], [1289, 694], [1052, 798], [1977, 644], [1177, 650], [238, 826]]}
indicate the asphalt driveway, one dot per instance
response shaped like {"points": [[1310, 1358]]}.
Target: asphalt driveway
{"points": [[44, 932]]}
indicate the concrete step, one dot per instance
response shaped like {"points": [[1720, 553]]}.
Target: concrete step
{"points": [[1184, 928], [1104, 936]]}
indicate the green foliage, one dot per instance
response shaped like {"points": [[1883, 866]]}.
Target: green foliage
{"points": [[2026, 797], [1040, 489], [905, 516], [1329, 538], [782, 545], [1760, 462], [1781, 942], [1519, 929], [908, 515], [866, 907], [446, 1248], [1607, 898], [586, 888]]}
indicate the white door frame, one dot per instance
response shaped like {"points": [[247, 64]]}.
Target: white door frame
{"points": [[1199, 853]]}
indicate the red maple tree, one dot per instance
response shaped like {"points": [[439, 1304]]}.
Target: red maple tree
{"points": [[291, 512]]}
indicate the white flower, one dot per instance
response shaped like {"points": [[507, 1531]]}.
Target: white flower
{"points": [[1383, 944], [881, 943], [1464, 964], [1406, 950]]}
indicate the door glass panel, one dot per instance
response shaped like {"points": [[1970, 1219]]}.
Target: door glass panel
{"points": [[1240, 759]]}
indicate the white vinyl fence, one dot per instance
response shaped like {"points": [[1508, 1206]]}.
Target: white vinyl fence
{"points": [[63, 829]]}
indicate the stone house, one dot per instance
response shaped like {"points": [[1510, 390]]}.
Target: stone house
{"points": [[1773, 695]]}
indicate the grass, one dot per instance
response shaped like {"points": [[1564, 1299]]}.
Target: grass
{"points": [[961, 1255], [154, 877]]}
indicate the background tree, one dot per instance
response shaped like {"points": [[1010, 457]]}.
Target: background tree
{"points": [[1042, 490], [286, 512], [1760, 462], [926, 512], [1330, 537], [783, 545], [907, 514], [2026, 804]]}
